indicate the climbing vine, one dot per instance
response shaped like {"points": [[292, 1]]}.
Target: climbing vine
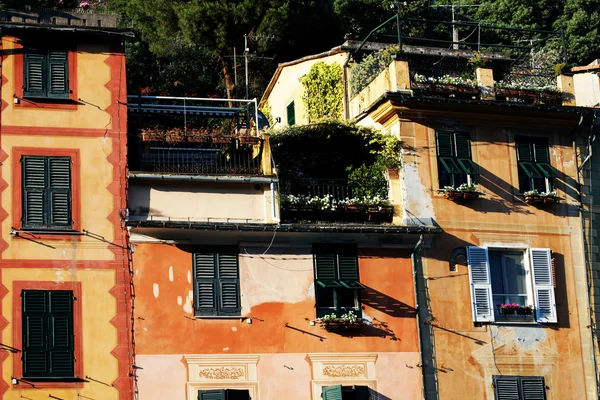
{"points": [[369, 67], [323, 91]]}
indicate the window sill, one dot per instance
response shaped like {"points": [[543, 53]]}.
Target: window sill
{"points": [[240, 317], [65, 103], [49, 234], [41, 383]]}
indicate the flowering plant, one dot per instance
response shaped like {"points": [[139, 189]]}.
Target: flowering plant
{"points": [[534, 192], [365, 201], [465, 187], [508, 308], [349, 317], [446, 80], [525, 85]]}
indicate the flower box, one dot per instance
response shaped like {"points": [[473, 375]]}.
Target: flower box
{"points": [[355, 208], [457, 195], [551, 98], [541, 200], [341, 325]]}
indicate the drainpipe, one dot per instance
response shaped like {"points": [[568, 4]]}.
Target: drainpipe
{"points": [[586, 255]]}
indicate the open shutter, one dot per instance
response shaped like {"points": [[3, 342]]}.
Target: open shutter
{"points": [[34, 184], [481, 285], [205, 284], [58, 82], [229, 284], [507, 388], [445, 146], [524, 152], [362, 393], [34, 71], [463, 145], [348, 272], [543, 285], [59, 179], [211, 395], [533, 388], [332, 392], [325, 270], [60, 342], [35, 330]]}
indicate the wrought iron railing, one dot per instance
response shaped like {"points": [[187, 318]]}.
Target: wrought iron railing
{"points": [[339, 189], [524, 313], [191, 160]]}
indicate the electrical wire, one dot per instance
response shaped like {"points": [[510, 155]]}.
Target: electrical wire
{"points": [[493, 349]]}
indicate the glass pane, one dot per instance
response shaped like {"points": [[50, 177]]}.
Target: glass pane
{"points": [[325, 297], [515, 277], [346, 298], [496, 272]]}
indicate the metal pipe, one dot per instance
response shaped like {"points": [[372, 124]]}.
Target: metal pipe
{"points": [[273, 202], [256, 116], [203, 178], [191, 98]]}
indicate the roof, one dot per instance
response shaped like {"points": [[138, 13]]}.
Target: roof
{"points": [[74, 29]]}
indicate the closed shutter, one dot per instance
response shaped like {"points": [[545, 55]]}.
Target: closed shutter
{"points": [[205, 284], [507, 388], [332, 392], [34, 184], [543, 285], [348, 272], [58, 83], [445, 145], [541, 152], [481, 287], [59, 196], [291, 114], [211, 395], [229, 284], [34, 71], [524, 151], [325, 270], [463, 145], [533, 388], [60, 343], [35, 330]]}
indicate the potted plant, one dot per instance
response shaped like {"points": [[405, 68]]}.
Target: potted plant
{"points": [[535, 197], [463, 192], [514, 312], [348, 320]]}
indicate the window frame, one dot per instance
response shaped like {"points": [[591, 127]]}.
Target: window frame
{"points": [[453, 163], [538, 263], [17, 209], [217, 309], [48, 382], [223, 392], [337, 284], [536, 168], [519, 379]]}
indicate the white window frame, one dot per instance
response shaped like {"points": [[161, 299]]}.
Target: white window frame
{"points": [[540, 284]]}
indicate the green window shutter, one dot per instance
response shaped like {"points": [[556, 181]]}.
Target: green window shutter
{"points": [[34, 81], [451, 165], [445, 145], [325, 270], [529, 169], [541, 151], [524, 151], [291, 114], [205, 283], [59, 177], [211, 395], [348, 272], [34, 187], [533, 388], [58, 69], [229, 284], [35, 330], [463, 145], [332, 392], [507, 388], [60, 343]]}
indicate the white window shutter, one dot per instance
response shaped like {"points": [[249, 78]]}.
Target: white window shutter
{"points": [[543, 285], [481, 285]]}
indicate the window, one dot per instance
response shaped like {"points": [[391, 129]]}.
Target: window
{"points": [[46, 74], [223, 394], [455, 166], [48, 340], [535, 171], [337, 283], [519, 387], [216, 283], [501, 276], [339, 392], [291, 114], [46, 192]]}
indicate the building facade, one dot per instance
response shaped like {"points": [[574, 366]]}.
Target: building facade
{"points": [[64, 261]]}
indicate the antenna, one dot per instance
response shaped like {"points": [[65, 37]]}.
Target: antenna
{"points": [[455, 41], [247, 52]]}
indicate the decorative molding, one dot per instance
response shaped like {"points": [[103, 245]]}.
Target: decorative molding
{"points": [[344, 370], [222, 373]]}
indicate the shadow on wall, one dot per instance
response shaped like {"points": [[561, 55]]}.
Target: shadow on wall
{"points": [[560, 293], [386, 304]]}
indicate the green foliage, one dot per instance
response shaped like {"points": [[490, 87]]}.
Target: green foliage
{"points": [[369, 67], [476, 61], [323, 91], [326, 149], [368, 180]]}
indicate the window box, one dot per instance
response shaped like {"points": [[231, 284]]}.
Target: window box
{"points": [[340, 325], [444, 88], [355, 208], [541, 200], [457, 195], [551, 98]]}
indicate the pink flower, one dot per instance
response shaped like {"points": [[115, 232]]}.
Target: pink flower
{"points": [[84, 4]]}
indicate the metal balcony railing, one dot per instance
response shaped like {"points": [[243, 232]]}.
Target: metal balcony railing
{"points": [[189, 160], [339, 189]]}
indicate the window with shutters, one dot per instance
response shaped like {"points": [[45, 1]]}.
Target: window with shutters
{"points": [[337, 282], [455, 165], [224, 394], [48, 339], [291, 114], [519, 387], [506, 284], [339, 392], [535, 171], [46, 73], [216, 284], [46, 197]]}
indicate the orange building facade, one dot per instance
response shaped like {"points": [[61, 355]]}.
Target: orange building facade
{"points": [[64, 262]]}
